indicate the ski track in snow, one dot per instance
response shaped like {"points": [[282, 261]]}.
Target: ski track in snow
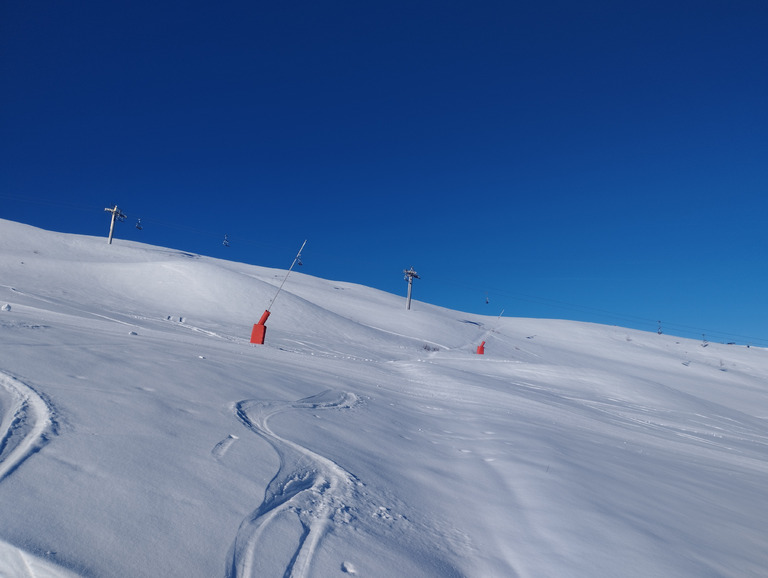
{"points": [[302, 499], [25, 424], [61, 306]]}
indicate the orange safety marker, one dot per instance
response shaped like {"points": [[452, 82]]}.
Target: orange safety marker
{"points": [[481, 348]]}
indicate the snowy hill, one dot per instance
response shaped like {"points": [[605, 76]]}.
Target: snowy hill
{"points": [[143, 435]]}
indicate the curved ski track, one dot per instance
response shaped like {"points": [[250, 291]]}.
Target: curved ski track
{"points": [[307, 487], [24, 425]]}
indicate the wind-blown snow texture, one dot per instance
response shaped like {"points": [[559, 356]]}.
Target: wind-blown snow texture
{"points": [[143, 435]]}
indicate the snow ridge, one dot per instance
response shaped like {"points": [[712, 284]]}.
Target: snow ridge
{"points": [[307, 487]]}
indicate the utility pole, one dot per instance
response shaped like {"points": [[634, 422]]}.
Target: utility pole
{"points": [[116, 214], [410, 275]]}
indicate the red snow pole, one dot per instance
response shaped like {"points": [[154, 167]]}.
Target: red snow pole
{"points": [[481, 348], [260, 329]]}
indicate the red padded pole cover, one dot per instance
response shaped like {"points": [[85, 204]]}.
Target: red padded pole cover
{"points": [[257, 335]]}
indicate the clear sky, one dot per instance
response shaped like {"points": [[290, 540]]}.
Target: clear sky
{"points": [[601, 161]]}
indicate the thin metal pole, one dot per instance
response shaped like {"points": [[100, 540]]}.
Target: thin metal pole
{"points": [[409, 275], [116, 214], [297, 258], [410, 289], [112, 226]]}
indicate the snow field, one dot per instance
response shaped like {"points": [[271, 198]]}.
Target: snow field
{"points": [[142, 435]]}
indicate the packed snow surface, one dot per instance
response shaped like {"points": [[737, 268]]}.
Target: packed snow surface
{"points": [[141, 434]]}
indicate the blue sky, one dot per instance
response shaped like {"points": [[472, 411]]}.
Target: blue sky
{"points": [[599, 161]]}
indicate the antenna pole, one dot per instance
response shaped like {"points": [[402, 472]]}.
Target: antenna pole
{"points": [[410, 274]]}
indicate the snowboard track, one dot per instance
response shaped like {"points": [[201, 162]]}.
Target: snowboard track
{"points": [[307, 487]]}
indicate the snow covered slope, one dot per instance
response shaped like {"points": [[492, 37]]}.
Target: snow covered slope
{"points": [[141, 434]]}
